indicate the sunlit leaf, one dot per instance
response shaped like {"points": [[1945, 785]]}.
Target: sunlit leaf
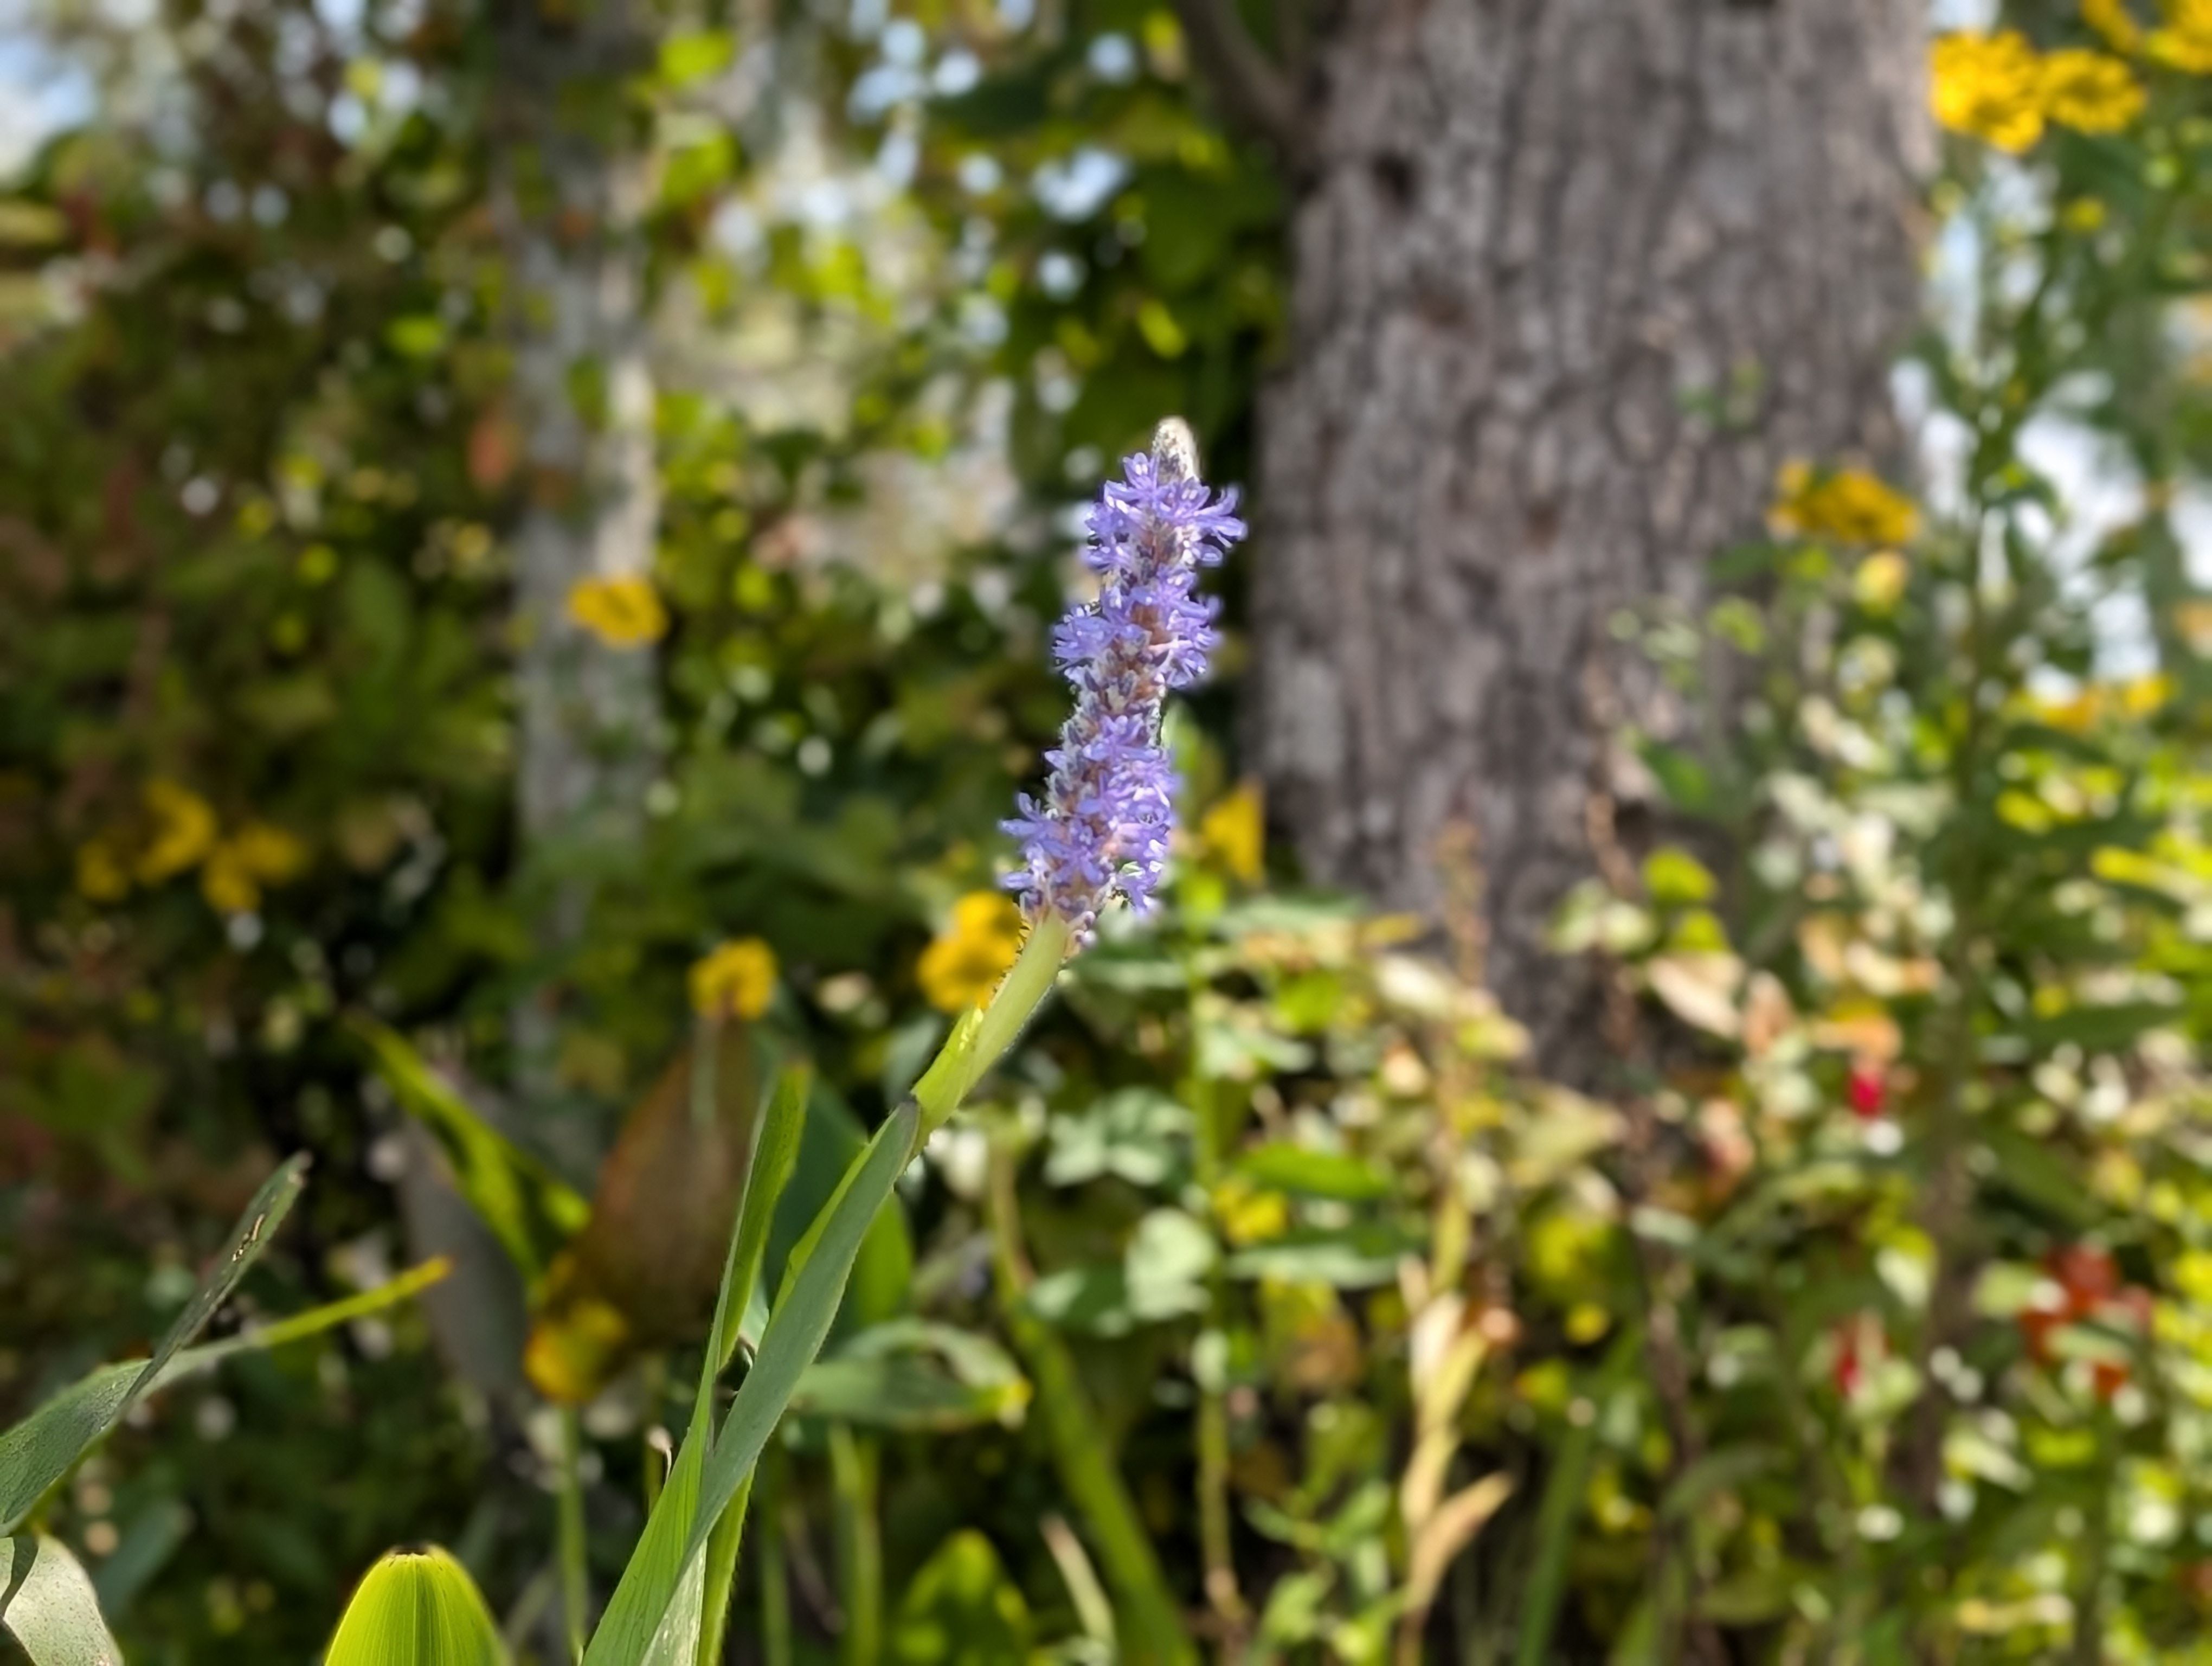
{"points": [[417, 1607]]}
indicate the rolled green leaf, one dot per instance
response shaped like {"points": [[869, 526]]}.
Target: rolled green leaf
{"points": [[417, 1607], [47, 1605]]}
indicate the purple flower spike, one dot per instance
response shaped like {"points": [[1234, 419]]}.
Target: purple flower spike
{"points": [[1103, 823]]}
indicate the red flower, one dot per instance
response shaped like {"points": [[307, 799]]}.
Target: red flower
{"points": [[1867, 1091], [2089, 1286], [1858, 1344], [2087, 1273]]}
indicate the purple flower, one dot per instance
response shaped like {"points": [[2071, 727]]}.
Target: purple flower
{"points": [[1103, 823]]}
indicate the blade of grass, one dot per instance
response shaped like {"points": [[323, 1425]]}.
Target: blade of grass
{"points": [[775, 1156], [648, 1591], [637, 1626], [37, 1451]]}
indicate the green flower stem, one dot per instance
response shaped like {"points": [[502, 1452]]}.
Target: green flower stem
{"points": [[981, 1039], [1150, 1623]]}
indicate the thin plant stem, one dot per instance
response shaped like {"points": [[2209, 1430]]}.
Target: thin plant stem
{"points": [[775, 1572], [860, 1544], [1212, 1414], [574, 1595]]}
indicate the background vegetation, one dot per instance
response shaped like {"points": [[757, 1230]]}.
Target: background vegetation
{"points": [[1855, 1304]]}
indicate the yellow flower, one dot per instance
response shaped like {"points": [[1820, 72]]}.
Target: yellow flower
{"points": [[257, 855], [100, 874], [2090, 92], [624, 612], [738, 978], [964, 961], [1988, 87], [183, 831], [1249, 1213], [1849, 505], [2185, 42], [2110, 18], [1881, 580], [1235, 832]]}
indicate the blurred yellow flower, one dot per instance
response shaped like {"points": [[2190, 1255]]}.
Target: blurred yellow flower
{"points": [[1849, 505], [1880, 581], [737, 979], [624, 612], [182, 831], [1235, 833], [100, 874], [2185, 42], [257, 855], [1249, 1213], [2110, 18], [964, 961], [1988, 87], [2090, 92]]}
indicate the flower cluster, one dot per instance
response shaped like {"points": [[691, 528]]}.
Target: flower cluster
{"points": [[1998, 88], [1104, 822], [1848, 505]]}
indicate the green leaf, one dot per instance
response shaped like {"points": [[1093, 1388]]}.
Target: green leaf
{"points": [[1351, 1258], [962, 1609], [40, 1451], [417, 1607], [912, 1374], [688, 58], [530, 1210], [775, 1156], [830, 1139], [1139, 1135], [651, 1586], [47, 1605], [1304, 1172]]}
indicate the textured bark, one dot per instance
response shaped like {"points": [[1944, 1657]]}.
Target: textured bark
{"points": [[1571, 278]]}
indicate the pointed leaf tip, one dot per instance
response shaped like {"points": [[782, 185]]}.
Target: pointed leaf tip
{"points": [[417, 1607]]}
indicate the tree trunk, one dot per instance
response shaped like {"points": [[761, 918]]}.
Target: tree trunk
{"points": [[1572, 278], [572, 183]]}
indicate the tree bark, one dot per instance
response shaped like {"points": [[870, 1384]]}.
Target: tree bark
{"points": [[1571, 279], [573, 182]]}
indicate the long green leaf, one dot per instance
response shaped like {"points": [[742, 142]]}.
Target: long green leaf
{"points": [[775, 1156], [701, 1589], [40, 1451], [417, 1607], [529, 1208], [650, 1585], [47, 1605]]}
